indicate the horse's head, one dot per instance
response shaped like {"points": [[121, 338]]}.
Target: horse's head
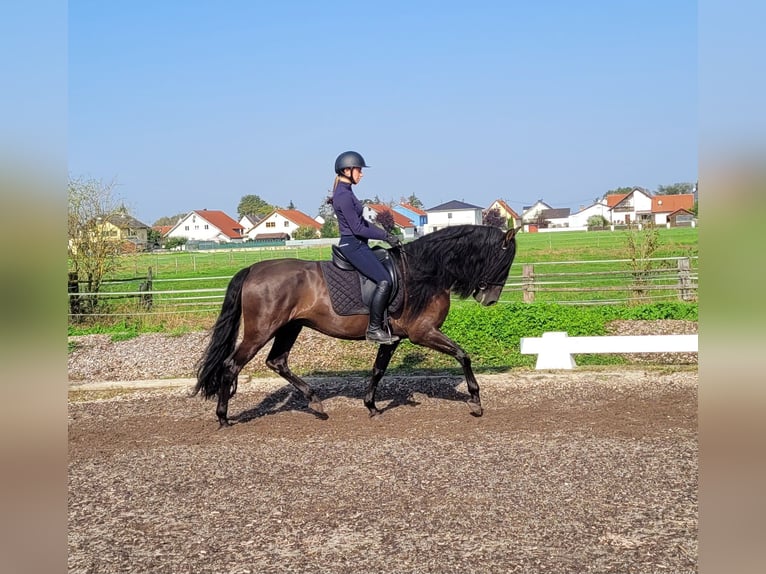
{"points": [[489, 288]]}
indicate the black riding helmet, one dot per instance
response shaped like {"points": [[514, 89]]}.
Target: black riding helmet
{"points": [[349, 159]]}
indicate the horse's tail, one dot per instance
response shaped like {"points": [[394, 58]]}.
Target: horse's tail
{"points": [[223, 340]]}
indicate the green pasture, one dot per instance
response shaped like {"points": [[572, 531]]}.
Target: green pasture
{"points": [[531, 248], [562, 261]]}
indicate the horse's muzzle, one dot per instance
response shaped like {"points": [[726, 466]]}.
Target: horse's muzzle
{"points": [[486, 297]]}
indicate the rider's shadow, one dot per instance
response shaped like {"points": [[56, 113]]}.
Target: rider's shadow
{"points": [[391, 393]]}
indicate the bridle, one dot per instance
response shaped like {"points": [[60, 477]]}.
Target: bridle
{"points": [[484, 284]]}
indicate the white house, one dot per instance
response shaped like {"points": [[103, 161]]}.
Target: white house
{"points": [[283, 221], [556, 217], [249, 221], [452, 213], [404, 224], [530, 213], [580, 218], [207, 225], [633, 207]]}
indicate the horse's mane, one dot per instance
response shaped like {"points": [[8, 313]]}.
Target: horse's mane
{"points": [[456, 258]]}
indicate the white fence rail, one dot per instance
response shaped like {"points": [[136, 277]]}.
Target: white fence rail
{"points": [[579, 283], [554, 350]]}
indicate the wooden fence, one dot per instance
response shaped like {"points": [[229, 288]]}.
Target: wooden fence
{"points": [[567, 282]]}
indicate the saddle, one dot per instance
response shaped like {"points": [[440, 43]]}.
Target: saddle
{"points": [[350, 291]]}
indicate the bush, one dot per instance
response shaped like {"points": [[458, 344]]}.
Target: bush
{"points": [[492, 335]]}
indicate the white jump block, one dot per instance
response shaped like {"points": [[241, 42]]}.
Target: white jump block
{"points": [[554, 350]]}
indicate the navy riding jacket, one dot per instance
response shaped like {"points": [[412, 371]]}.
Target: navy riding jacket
{"points": [[349, 210], [355, 231]]}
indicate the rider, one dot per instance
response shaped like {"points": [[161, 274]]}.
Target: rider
{"points": [[355, 231]]}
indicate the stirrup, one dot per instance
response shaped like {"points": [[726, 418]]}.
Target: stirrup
{"points": [[381, 337]]}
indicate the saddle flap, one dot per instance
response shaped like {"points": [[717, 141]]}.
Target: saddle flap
{"points": [[382, 254]]}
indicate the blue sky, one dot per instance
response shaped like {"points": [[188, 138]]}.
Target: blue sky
{"points": [[190, 105]]}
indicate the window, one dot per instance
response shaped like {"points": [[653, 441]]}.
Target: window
{"points": [[196, 227], [271, 224], [186, 228], [287, 224], [449, 216], [207, 226]]}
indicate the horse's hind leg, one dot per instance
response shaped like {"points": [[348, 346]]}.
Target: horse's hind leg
{"points": [[284, 339], [244, 352]]}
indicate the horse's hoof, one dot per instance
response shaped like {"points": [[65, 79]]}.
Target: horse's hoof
{"points": [[223, 423], [476, 409], [317, 407], [374, 411]]}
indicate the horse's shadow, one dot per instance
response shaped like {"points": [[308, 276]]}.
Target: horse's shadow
{"points": [[392, 392]]}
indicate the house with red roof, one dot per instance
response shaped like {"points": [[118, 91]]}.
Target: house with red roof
{"points": [[640, 206], [208, 225], [401, 222], [282, 223], [633, 207], [414, 214], [665, 206], [506, 212]]}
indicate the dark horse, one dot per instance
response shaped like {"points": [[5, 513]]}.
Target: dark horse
{"points": [[278, 298]]}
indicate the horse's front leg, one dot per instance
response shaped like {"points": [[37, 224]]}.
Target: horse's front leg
{"points": [[385, 352], [438, 341]]}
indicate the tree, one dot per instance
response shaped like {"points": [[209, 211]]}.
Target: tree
{"points": [[675, 189], [305, 232], [92, 250], [154, 237], [619, 191], [641, 245], [169, 219], [326, 210], [413, 201], [254, 205], [386, 220], [597, 221], [330, 227], [493, 218]]}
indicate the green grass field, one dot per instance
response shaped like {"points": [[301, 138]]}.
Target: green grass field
{"points": [[531, 248], [562, 264]]}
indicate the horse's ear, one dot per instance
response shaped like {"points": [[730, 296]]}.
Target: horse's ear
{"points": [[510, 234]]}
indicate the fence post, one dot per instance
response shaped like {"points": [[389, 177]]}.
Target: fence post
{"points": [[684, 280], [73, 286], [527, 282], [146, 287]]}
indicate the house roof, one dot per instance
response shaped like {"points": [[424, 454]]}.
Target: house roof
{"points": [[538, 202], [615, 198], [399, 219], [507, 208], [453, 205], [297, 217], [226, 224], [679, 211], [669, 203], [162, 229], [413, 209], [555, 213], [125, 221]]}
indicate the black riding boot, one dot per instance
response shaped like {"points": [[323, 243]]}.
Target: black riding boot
{"points": [[375, 331]]}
